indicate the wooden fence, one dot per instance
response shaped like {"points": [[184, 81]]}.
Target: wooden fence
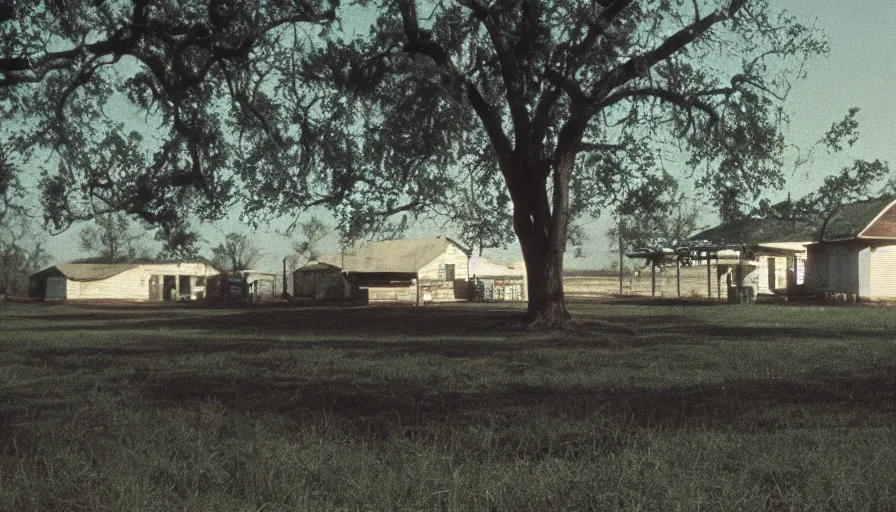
{"points": [[691, 283]]}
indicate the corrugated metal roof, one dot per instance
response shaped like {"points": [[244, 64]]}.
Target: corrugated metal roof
{"points": [[404, 256], [850, 220], [93, 271]]}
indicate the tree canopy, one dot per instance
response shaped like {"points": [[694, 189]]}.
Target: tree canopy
{"points": [[514, 116], [110, 238], [22, 252], [313, 232], [237, 252]]}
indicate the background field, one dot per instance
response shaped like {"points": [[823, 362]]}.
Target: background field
{"points": [[646, 407]]}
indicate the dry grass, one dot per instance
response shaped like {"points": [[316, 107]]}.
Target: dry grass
{"points": [[646, 407]]}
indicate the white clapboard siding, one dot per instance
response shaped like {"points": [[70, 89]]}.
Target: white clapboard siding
{"points": [[133, 284], [761, 274], [883, 272], [130, 284], [435, 269]]}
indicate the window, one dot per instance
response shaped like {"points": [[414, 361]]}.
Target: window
{"points": [[449, 272]]}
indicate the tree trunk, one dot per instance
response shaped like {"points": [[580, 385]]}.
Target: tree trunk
{"points": [[544, 269], [542, 231]]}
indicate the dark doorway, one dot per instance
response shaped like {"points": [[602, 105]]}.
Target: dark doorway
{"points": [[185, 289], [169, 287]]}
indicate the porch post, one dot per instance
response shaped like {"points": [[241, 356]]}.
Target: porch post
{"points": [[708, 276], [653, 278], [417, 282], [678, 276], [284, 293], [621, 271], [718, 279]]}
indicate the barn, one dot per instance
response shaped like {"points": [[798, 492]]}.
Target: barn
{"points": [[412, 270], [126, 281], [856, 254]]}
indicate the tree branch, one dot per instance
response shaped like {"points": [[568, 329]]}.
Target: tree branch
{"points": [[419, 42], [639, 65], [510, 71], [679, 99], [596, 28]]}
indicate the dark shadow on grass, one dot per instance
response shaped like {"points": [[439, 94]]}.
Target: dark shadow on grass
{"points": [[385, 409], [390, 322]]}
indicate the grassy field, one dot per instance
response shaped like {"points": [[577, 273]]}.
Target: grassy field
{"points": [[645, 407]]}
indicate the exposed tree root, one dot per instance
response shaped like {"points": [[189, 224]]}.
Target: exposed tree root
{"points": [[554, 317]]}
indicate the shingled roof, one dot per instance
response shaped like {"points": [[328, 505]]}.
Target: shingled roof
{"points": [[873, 218], [399, 256], [758, 232]]}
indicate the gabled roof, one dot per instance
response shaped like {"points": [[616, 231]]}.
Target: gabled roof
{"points": [[399, 256], [873, 218], [868, 219], [87, 271], [758, 232]]}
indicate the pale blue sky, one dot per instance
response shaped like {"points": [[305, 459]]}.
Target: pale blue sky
{"points": [[860, 71]]}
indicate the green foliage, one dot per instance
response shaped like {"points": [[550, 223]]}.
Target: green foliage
{"points": [[400, 122], [670, 222], [111, 238], [853, 182], [308, 248], [842, 132], [525, 114], [22, 252], [88, 80], [10, 185], [237, 252]]}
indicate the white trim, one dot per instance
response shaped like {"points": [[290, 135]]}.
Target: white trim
{"points": [[879, 214]]}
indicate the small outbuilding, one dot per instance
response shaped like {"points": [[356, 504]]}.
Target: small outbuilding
{"points": [[320, 281], [127, 281]]}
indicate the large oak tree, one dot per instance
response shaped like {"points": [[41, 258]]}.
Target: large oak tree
{"points": [[554, 109], [506, 116]]}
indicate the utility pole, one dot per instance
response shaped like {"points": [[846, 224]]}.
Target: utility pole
{"points": [[621, 245], [284, 294]]}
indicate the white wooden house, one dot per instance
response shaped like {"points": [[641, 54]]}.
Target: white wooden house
{"points": [[766, 255], [856, 255], [127, 281]]}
